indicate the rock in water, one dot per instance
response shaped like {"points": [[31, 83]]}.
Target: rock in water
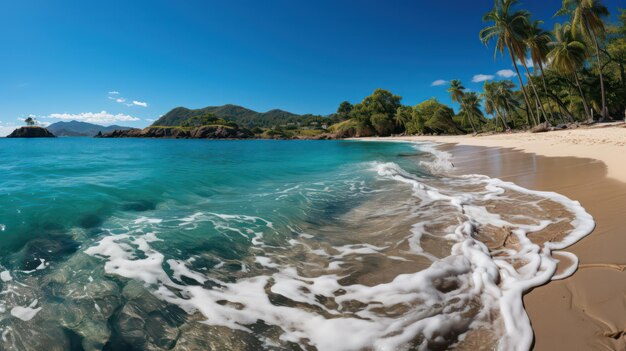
{"points": [[31, 132]]}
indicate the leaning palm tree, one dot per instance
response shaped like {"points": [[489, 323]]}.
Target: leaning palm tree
{"points": [[506, 99], [586, 18], [457, 93], [493, 102], [537, 41], [471, 108], [567, 55], [507, 29]]}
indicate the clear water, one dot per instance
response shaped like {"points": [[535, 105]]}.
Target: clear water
{"points": [[134, 244]]}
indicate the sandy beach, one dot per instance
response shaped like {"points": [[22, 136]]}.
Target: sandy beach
{"points": [[588, 309]]}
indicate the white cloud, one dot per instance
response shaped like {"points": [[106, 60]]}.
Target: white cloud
{"points": [[505, 73], [482, 77], [6, 130], [101, 117], [529, 62], [149, 120], [115, 96], [117, 99], [439, 82]]}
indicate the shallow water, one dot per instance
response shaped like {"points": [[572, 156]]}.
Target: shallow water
{"points": [[244, 245]]}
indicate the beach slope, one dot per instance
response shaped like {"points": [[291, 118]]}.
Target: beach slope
{"points": [[588, 309]]}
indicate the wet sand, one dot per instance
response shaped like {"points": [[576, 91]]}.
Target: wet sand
{"points": [[587, 310]]}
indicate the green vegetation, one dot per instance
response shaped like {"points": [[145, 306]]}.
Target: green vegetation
{"points": [[578, 74], [240, 116], [574, 73], [274, 124], [30, 121], [207, 119]]}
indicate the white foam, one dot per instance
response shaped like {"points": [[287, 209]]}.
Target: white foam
{"points": [[496, 282], [5, 276], [25, 313]]}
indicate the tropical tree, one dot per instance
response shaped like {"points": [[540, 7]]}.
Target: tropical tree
{"points": [[507, 99], [507, 29], [433, 117], [403, 116], [536, 41], [457, 93], [493, 102], [567, 55], [586, 19], [30, 121], [378, 111], [615, 52], [344, 110], [471, 108]]}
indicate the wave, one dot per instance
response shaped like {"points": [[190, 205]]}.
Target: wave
{"points": [[476, 245]]}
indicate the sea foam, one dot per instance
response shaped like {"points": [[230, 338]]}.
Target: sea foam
{"points": [[476, 285]]}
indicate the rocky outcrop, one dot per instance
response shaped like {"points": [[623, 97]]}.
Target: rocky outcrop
{"points": [[31, 132], [325, 136], [202, 132]]}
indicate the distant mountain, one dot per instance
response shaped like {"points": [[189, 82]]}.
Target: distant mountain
{"points": [[76, 128], [233, 113]]}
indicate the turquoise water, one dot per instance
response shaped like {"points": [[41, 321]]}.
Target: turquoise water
{"points": [[48, 187], [147, 244], [59, 196]]}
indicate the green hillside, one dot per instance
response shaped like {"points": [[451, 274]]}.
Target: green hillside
{"points": [[242, 116]]}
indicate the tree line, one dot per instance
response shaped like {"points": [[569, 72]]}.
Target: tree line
{"points": [[572, 73]]}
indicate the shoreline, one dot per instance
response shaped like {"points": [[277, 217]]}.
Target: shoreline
{"points": [[600, 142], [585, 310]]}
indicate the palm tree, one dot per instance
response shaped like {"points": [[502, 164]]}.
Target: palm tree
{"points": [[506, 98], [403, 116], [567, 55], [508, 31], [457, 93], [471, 107], [493, 102], [586, 18], [537, 41]]}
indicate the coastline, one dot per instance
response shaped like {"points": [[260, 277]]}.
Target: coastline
{"points": [[586, 310], [601, 142]]}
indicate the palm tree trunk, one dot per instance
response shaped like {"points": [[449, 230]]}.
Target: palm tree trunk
{"points": [[595, 43], [532, 85], [580, 90], [521, 83], [496, 123], [545, 88], [469, 117], [560, 103], [505, 125]]}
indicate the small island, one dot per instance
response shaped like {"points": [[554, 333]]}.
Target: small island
{"points": [[31, 130]]}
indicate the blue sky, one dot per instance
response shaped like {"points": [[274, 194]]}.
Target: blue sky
{"points": [[138, 59]]}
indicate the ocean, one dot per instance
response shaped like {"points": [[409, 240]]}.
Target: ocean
{"points": [[152, 244]]}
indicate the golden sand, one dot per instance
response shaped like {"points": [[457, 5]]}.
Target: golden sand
{"points": [[587, 310]]}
